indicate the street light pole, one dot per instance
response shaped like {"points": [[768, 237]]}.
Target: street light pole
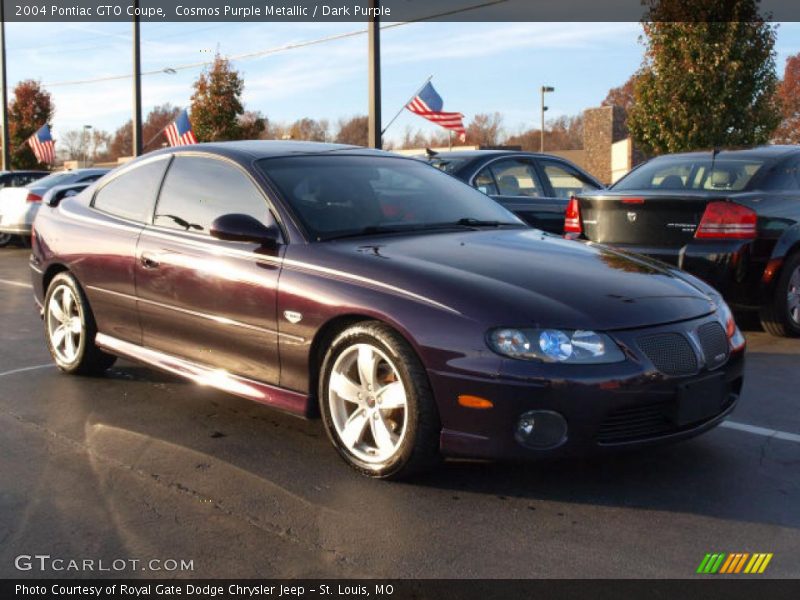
{"points": [[545, 89], [375, 139], [6, 153], [86, 129], [137, 85]]}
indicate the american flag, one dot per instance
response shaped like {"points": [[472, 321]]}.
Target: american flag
{"points": [[43, 145], [179, 132], [428, 104]]}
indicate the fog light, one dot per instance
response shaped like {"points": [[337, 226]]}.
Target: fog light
{"points": [[541, 429]]}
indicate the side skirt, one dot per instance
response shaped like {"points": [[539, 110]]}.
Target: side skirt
{"points": [[286, 400]]}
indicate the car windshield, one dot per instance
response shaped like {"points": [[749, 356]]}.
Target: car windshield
{"points": [[52, 180], [676, 174], [341, 196]]}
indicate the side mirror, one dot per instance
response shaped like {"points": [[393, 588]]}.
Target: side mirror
{"points": [[54, 197], [244, 228]]}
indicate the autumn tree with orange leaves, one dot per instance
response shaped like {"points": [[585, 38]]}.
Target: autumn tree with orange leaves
{"points": [[29, 109], [788, 131]]}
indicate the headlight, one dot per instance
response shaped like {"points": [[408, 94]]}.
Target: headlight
{"points": [[735, 336], [555, 345]]}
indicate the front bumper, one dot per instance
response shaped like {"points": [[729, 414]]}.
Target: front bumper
{"points": [[605, 407], [734, 267]]}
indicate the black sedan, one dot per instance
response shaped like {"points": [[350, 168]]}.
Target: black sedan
{"points": [[535, 187], [732, 218]]}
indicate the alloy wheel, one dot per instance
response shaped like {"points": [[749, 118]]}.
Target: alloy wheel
{"points": [[64, 324], [368, 403], [793, 296]]}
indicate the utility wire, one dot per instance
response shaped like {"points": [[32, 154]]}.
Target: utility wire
{"points": [[275, 50]]}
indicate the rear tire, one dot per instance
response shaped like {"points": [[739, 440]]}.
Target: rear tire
{"points": [[377, 404], [781, 316], [5, 239], [70, 329]]}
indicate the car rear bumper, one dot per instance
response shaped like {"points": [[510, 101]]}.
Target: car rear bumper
{"points": [[16, 229], [603, 407], [734, 267], [17, 219]]}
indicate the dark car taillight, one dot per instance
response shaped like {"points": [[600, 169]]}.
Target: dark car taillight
{"points": [[727, 220], [572, 218], [33, 198]]}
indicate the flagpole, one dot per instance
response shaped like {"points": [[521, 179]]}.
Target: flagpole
{"points": [[427, 81], [153, 139], [6, 142]]}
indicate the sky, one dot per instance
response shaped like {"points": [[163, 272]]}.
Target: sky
{"points": [[476, 67]]}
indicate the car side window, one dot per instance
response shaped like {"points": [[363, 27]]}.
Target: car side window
{"points": [[198, 190], [516, 178], [786, 177], [565, 180], [131, 194], [484, 182]]}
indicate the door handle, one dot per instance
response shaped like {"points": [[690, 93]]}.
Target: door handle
{"points": [[149, 261]]}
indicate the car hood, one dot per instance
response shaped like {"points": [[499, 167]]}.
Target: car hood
{"points": [[523, 277]]}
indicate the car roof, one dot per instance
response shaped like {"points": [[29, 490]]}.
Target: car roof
{"points": [[257, 149], [771, 152], [469, 154]]}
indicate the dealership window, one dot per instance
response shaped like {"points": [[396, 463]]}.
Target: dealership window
{"points": [[131, 194], [198, 190]]}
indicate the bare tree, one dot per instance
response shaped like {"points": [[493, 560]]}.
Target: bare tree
{"points": [[353, 131], [485, 129]]}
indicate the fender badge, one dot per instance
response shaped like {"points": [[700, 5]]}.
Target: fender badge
{"points": [[292, 316]]}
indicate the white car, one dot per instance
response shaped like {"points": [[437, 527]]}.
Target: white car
{"points": [[18, 206]]}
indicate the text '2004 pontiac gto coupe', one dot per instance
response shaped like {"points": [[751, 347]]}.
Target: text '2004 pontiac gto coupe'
{"points": [[418, 317]]}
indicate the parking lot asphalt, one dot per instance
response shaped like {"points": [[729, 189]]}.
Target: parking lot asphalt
{"points": [[141, 465]]}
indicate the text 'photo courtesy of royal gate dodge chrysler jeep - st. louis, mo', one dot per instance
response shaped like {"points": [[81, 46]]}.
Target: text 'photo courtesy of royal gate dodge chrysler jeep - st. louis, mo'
{"points": [[417, 316]]}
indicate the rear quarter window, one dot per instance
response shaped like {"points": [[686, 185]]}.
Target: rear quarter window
{"points": [[132, 194]]}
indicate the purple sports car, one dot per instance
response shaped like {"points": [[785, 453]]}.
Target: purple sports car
{"points": [[415, 315]]}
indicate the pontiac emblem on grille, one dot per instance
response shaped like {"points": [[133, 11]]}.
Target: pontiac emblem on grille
{"points": [[632, 216]]}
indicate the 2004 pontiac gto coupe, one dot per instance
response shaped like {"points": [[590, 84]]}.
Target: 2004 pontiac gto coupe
{"points": [[418, 317]]}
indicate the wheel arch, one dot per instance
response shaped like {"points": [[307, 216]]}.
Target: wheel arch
{"points": [[325, 334], [50, 273], [787, 245]]}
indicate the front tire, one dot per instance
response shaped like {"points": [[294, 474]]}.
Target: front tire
{"points": [[781, 316], [5, 239], [70, 329], [377, 404]]}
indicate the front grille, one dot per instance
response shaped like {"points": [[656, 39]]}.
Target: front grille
{"points": [[640, 423], [670, 353], [714, 342], [635, 422]]}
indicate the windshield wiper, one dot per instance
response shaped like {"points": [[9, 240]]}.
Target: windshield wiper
{"points": [[371, 230], [466, 223]]}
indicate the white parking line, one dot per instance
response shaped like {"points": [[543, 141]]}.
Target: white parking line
{"points": [[24, 369], [763, 431], [21, 284]]}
